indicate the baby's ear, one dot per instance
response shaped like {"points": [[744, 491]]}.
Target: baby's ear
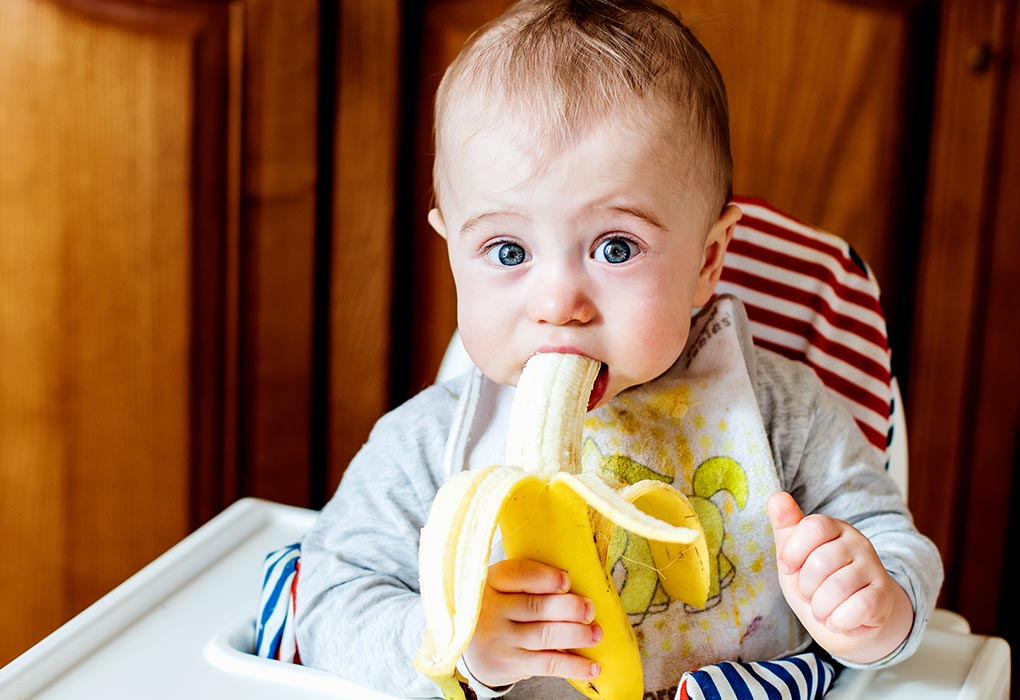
{"points": [[436, 221], [716, 242]]}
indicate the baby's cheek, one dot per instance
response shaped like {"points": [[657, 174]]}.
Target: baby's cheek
{"points": [[663, 345], [492, 355]]}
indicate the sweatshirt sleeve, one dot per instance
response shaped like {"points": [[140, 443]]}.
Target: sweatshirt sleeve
{"points": [[358, 609], [828, 466]]}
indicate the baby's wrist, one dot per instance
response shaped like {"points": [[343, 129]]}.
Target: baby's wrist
{"points": [[480, 689]]}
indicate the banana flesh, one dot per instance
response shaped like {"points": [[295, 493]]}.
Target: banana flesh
{"points": [[547, 416], [547, 510]]}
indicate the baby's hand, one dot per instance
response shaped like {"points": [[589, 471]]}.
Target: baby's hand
{"points": [[527, 618], [836, 584]]}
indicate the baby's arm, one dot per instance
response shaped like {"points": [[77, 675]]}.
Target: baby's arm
{"points": [[836, 584], [527, 618], [835, 475], [359, 613]]}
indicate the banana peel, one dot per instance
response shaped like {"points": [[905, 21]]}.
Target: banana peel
{"points": [[682, 568], [549, 511]]}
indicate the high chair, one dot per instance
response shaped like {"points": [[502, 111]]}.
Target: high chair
{"points": [[184, 625]]}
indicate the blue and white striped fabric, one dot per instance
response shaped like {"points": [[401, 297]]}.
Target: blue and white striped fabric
{"points": [[802, 677], [275, 637]]}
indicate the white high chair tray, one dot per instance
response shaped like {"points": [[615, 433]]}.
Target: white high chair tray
{"points": [[183, 625]]}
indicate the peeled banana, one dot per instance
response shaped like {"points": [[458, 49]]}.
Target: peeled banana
{"points": [[549, 511]]}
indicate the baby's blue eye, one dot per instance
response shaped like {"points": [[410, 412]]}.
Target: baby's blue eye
{"points": [[507, 254], [614, 250]]}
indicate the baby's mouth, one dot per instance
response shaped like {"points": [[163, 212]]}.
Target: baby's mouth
{"points": [[600, 386]]}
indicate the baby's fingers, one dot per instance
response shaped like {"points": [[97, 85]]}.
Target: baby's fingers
{"points": [[527, 576], [542, 636], [869, 606], [561, 664], [822, 563], [836, 591], [567, 607], [809, 534]]}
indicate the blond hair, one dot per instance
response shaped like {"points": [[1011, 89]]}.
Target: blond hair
{"points": [[560, 67]]}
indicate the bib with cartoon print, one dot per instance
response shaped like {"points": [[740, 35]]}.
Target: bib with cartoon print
{"points": [[699, 428]]}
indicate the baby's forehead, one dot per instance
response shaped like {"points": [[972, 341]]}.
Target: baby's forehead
{"points": [[544, 125], [495, 129], [606, 172]]}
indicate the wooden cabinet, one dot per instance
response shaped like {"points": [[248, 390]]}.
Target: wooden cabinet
{"points": [[119, 169], [964, 401], [216, 273], [196, 204]]}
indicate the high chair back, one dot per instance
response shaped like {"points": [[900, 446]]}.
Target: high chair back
{"points": [[811, 298]]}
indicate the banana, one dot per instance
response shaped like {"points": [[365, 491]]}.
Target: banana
{"points": [[544, 506], [683, 568]]}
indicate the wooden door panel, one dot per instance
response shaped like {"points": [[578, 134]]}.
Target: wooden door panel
{"points": [[277, 251], [815, 92], [114, 237], [426, 312], [363, 212], [964, 404], [985, 594]]}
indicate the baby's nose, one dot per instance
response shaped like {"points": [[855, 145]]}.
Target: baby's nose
{"points": [[562, 297]]}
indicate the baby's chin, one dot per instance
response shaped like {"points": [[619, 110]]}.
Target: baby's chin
{"points": [[615, 384]]}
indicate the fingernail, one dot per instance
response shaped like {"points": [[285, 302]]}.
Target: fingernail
{"points": [[594, 671], [589, 611], [564, 582], [784, 568], [596, 633]]}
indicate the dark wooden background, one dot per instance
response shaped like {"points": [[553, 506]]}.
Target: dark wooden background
{"points": [[215, 271]]}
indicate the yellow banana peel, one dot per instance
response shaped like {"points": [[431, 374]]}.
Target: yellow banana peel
{"points": [[549, 511], [682, 567]]}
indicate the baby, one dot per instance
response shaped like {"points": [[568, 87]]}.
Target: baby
{"points": [[582, 177]]}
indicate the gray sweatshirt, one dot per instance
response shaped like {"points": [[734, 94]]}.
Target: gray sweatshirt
{"points": [[358, 610]]}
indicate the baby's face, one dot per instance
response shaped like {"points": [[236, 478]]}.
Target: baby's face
{"points": [[601, 251]]}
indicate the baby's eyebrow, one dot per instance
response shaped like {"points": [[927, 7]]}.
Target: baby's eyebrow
{"points": [[639, 213], [476, 221], [626, 210]]}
